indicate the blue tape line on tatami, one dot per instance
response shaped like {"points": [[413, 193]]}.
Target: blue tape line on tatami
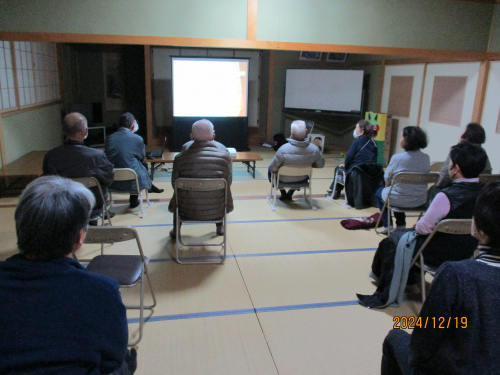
{"points": [[306, 252], [210, 314]]}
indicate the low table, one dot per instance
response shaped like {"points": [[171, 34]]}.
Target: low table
{"points": [[247, 158]]}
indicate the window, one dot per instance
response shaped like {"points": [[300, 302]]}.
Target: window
{"points": [[7, 90], [28, 74]]}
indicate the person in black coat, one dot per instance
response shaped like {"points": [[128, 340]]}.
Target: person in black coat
{"points": [[363, 150]]}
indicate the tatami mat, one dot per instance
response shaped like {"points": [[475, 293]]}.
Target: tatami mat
{"points": [[283, 303]]}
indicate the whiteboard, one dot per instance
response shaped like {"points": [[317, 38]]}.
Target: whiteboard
{"points": [[326, 90]]}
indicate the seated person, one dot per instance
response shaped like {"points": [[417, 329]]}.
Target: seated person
{"points": [[465, 294], [73, 159], [298, 152], [411, 159], [457, 201], [363, 150], [219, 145], [57, 317], [125, 149], [203, 160], [473, 133]]}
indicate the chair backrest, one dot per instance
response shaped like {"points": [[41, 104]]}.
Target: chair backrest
{"points": [[454, 226], [485, 178], [110, 234], [436, 166], [200, 184], [415, 178], [88, 182], [295, 171], [125, 174]]}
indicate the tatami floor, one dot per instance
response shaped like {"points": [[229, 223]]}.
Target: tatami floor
{"points": [[283, 303]]}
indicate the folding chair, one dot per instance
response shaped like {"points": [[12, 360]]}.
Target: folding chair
{"points": [[485, 178], [407, 178], [290, 171], [436, 166], [127, 174], [339, 173], [449, 226], [127, 270], [90, 182], [199, 185]]}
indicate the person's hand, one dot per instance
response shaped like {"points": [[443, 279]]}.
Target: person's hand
{"points": [[341, 165]]}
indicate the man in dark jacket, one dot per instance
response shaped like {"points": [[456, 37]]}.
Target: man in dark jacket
{"points": [[203, 160], [125, 149], [57, 317], [73, 159]]}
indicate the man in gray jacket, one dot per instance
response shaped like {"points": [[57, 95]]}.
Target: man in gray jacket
{"points": [[298, 152], [203, 159]]}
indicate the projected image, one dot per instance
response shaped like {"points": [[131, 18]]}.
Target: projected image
{"points": [[210, 87]]}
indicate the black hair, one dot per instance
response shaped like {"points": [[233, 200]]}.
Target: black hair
{"points": [[415, 138], [126, 120], [487, 213], [470, 158], [318, 138], [367, 128], [474, 133]]}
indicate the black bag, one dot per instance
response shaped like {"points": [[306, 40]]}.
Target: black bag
{"points": [[279, 140]]}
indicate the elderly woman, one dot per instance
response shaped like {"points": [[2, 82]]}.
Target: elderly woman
{"points": [[411, 159], [464, 294], [363, 150]]}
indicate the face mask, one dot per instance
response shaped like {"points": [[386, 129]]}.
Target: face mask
{"points": [[354, 134], [136, 127]]}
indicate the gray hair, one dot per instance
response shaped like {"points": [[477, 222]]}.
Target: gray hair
{"points": [[50, 215], [74, 123], [299, 129], [203, 130]]}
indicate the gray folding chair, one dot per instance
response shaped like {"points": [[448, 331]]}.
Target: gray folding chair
{"points": [[339, 178], [90, 182], [127, 174], [485, 178], [436, 166], [199, 185], [290, 171], [127, 270], [408, 178], [449, 226]]}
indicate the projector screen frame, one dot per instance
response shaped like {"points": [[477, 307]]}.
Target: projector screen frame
{"points": [[247, 59]]}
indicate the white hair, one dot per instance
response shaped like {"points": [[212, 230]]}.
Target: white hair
{"points": [[299, 130], [203, 130]]}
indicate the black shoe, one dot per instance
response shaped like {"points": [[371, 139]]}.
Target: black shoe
{"points": [[111, 215], [154, 189], [220, 230], [134, 205], [336, 194], [93, 223], [289, 195]]}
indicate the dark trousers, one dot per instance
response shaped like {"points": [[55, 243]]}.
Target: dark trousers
{"points": [[129, 366], [339, 187], [396, 354], [400, 216]]}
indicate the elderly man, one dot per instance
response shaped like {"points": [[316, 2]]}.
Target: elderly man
{"points": [[127, 150], [203, 160], [57, 317], [73, 159], [219, 145], [298, 152]]}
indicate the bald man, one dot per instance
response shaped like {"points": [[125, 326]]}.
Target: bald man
{"points": [[203, 160], [74, 159]]}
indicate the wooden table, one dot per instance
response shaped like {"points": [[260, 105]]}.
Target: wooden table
{"points": [[168, 157]]}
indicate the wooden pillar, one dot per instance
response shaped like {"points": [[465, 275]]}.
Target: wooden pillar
{"points": [[252, 19], [421, 95], [380, 87], [149, 98], [2, 146], [482, 83], [270, 98]]}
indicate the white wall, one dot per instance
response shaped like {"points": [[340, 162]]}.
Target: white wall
{"points": [[442, 137], [415, 71], [491, 112]]}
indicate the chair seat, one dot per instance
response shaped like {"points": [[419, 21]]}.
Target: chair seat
{"points": [[292, 185], [430, 269], [126, 269], [421, 208]]}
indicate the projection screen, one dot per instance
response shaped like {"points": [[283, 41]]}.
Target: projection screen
{"points": [[326, 90], [209, 87]]}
